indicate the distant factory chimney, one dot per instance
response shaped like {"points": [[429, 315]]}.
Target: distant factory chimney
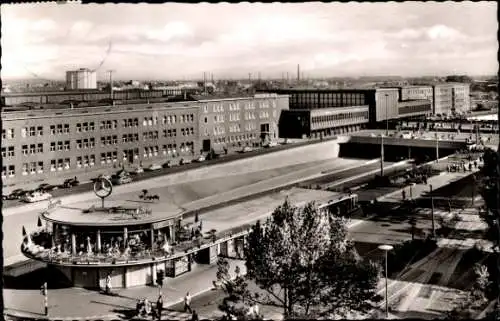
{"points": [[212, 78], [204, 82], [298, 72]]}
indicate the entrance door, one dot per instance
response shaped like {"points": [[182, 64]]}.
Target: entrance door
{"points": [[264, 131], [206, 145]]}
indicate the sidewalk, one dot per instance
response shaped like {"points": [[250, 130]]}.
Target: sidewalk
{"points": [[77, 303], [419, 190]]}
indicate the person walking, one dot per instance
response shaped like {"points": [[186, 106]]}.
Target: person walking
{"points": [[108, 284], [194, 316], [159, 306], [187, 303]]}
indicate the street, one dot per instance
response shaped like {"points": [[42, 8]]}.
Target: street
{"points": [[192, 190]]}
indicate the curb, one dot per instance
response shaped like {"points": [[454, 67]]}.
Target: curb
{"points": [[89, 318]]}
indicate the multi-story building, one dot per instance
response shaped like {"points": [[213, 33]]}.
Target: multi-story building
{"points": [[232, 123], [40, 144], [302, 123], [460, 98], [382, 102], [417, 93], [443, 98], [82, 78]]}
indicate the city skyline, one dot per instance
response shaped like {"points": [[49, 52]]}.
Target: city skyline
{"points": [[176, 41]]}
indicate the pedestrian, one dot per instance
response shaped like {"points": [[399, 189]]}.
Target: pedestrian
{"points": [[159, 306], [187, 303], [403, 194], [194, 316], [108, 284]]}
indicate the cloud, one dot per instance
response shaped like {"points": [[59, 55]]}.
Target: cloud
{"points": [[329, 38]]}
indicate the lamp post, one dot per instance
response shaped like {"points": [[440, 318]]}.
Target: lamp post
{"points": [[432, 212], [386, 115], [411, 190], [386, 248], [381, 155]]}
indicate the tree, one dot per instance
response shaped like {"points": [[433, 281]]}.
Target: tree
{"points": [[238, 300], [489, 191], [304, 263]]}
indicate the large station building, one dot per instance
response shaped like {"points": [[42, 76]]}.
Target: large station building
{"points": [[39, 144], [323, 112]]}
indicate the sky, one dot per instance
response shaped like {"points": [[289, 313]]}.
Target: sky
{"points": [[181, 41]]}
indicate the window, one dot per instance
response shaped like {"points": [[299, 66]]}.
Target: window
{"points": [[4, 151], [79, 161], [66, 128], [39, 131], [206, 120], [23, 132], [67, 145], [25, 169], [32, 131], [32, 149], [12, 170], [32, 168], [25, 149], [59, 146], [78, 127], [4, 134], [92, 142], [59, 129]]}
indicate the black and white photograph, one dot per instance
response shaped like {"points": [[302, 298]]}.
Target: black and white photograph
{"points": [[250, 161]]}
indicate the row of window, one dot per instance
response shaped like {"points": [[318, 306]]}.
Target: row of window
{"points": [[235, 139], [324, 100], [342, 116], [109, 140]]}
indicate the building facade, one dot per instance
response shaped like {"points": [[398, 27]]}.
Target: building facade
{"points": [[82, 78], [382, 102], [443, 98], [461, 98], [417, 93], [233, 123], [42, 144], [324, 122]]}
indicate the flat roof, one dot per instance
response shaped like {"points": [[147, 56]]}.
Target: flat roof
{"points": [[74, 214]]}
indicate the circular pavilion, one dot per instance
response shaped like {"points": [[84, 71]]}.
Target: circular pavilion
{"points": [[89, 241]]}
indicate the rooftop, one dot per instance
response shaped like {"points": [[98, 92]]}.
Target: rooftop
{"points": [[121, 213]]}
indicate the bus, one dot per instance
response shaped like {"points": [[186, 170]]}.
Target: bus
{"points": [[344, 205]]}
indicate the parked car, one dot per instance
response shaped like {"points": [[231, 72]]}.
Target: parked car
{"points": [[247, 149], [270, 144], [36, 197], [200, 159], [137, 171], [184, 161], [154, 167], [119, 180], [71, 182], [167, 164], [16, 194], [46, 187]]}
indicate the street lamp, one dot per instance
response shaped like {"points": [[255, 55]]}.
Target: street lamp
{"points": [[411, 190], [386, 248], [432, 212], [381, 155], [386, 115]]}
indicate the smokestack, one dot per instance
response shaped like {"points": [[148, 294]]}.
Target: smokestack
{"points": [[250, 78], [287, 77], [212, 79], [204, 83], [111, 95], [298, 72]]}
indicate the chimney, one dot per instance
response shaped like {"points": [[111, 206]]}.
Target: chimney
{"points": [[185, 96], [298, 72]]}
